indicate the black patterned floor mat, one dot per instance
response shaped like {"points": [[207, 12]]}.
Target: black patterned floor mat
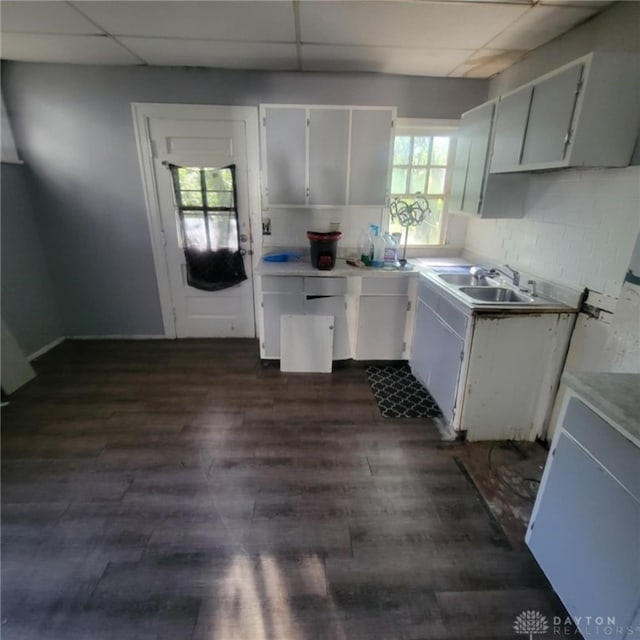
{"points": [[399, 394]]}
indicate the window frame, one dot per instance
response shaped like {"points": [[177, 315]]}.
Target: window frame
{"points": [[427, 127]]}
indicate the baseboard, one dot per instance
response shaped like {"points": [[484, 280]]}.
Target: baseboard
{"points": [[47, 347], [121, 337]]}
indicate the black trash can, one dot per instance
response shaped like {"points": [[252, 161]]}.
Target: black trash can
{"points": [[323, 249]]}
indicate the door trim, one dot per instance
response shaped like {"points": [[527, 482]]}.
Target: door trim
{"points": [[142, 113]]}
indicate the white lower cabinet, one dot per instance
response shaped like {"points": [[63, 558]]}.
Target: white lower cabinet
{"points": [[311, 296], [585, 526], [381, 325], [492, 373], [438, 345], [380, 308], [371, 313], [274, 306]]}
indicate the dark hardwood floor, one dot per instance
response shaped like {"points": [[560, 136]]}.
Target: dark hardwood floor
{"points": [[180, 490]]}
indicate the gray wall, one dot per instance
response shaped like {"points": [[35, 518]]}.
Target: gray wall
{"points": [[28, 304], [73, 126]]}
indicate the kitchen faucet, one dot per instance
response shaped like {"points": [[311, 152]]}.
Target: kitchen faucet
{"points": [[515, 275]]}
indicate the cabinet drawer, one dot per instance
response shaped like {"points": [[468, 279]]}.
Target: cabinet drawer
{"points": [[282, 284], [453, 316], [321, 286], [610, 448], [390, 285]]}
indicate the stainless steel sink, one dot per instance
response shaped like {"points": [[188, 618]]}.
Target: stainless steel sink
{"points": [[496, 294], [463, 279]]}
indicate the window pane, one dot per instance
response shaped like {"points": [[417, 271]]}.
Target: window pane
{"points": [[401, 149], [418, 177], [436, 181], [222, 231], [191, 198], [399, 181], [421, 145], [218, 179], [189, 178], [440, 151], [220, 199], [429, 231], [194, 231]]}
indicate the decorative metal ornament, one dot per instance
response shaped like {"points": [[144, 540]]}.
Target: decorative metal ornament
{"points": [[410, 214]]}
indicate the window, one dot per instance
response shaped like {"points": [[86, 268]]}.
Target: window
{"points": [[422, 156], [206, 204]]}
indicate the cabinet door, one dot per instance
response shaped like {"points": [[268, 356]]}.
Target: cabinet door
{"points": [[511, 124], [370, 148], [585, 535], [460, 169], [275, 305], [285, 150], [419, 360], [445, 355], [436, 358], [307, 343], [332, 306], [478, 132], [552, 108], [328, 155], [381, 323]]}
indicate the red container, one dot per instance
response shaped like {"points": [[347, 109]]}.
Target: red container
{"points": [[324, 247]]}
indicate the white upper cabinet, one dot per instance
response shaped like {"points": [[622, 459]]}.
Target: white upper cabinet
{"points": [[325, 155], [328, 155], [370, 156], [585, 114], [511, 125], [285, 149], [470, 162], [473, 190]]}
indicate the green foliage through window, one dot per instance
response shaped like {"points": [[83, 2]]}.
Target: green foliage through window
{"points": [[420, 166]]}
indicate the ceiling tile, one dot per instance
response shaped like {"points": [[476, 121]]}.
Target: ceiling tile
{"points": [[418, 62], [43, 17], [206, 53], [539, 25], [245, 21], [409, 24], [31, 47]]}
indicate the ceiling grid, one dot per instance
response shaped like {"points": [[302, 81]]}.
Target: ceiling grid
{"points": [[446, 38]]}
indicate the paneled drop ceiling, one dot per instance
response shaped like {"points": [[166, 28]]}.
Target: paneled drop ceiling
{"points": [[459, 38]]}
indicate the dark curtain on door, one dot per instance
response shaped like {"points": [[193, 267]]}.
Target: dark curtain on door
{"points": [[206, 200]]}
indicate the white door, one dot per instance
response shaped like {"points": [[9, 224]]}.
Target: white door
{"points": [[211, 137]]}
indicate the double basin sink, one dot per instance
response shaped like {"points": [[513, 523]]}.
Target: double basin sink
{"points": [[484, 289]]}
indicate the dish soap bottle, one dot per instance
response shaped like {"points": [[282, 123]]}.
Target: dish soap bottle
{"points": [[378, 247]]}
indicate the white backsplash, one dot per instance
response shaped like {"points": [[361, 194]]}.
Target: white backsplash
{"points": [[579, 228], [289, 228]]}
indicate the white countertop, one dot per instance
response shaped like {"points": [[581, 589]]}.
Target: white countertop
{"points": [[614, 395], [341, 269]]}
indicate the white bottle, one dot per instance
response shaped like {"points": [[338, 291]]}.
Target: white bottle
{"points": [[378, 247], [390, 251]]}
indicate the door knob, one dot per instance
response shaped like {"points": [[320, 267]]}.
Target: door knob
{"points": [[243, 237]]}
